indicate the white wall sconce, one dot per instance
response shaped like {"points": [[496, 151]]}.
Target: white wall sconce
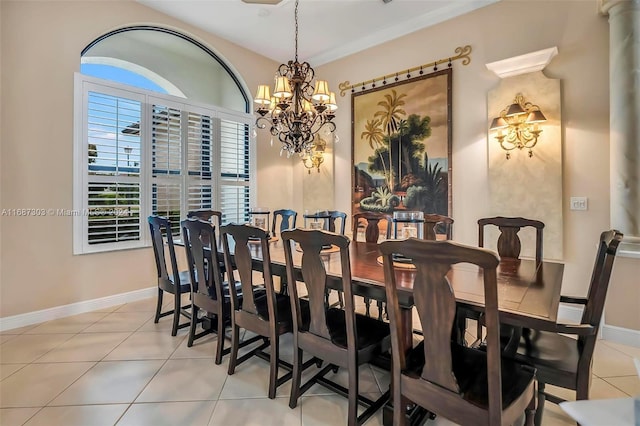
{"points": [[517, 126]]}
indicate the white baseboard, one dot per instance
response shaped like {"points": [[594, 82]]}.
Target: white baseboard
{"points": [[16, 321], [569, 313], [625, 336], [612, 333], [566, 313]]}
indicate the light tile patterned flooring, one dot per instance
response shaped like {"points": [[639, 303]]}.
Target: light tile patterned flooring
{"points": [[115, 366]]}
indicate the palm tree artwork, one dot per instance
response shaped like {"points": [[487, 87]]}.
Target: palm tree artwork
{"points": [[394, 167]]}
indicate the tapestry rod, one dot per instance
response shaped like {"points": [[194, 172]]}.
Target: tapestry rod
{"points": [[461, 53]]}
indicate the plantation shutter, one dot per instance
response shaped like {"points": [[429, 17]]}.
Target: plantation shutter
{"points": [[166, 163], [111, 180], [200, 162], [234, 169], [140, 154]]}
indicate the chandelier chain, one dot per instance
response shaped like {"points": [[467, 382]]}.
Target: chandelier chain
{"points": [[296, 21]]}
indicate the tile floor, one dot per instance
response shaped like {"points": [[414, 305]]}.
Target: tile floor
{"points": [[115, 366]]}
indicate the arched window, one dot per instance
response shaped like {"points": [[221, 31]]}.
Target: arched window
{"points": [[156, 133]]}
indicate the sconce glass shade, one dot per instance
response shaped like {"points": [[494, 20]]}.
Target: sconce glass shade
{"points": [[498, 123], [517, 126], [514, 109], [536, 117]]}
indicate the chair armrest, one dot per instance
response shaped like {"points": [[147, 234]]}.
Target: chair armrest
{"points": [[546, 325], [574, 300]]}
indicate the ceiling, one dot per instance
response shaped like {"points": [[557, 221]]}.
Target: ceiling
{"points": [[328, 29]]}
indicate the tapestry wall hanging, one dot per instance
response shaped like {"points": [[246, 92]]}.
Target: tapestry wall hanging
{"points": [[401, 151]]}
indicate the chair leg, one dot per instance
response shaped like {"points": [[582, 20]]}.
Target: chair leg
{"points": [[295, 377], [220, 344], [529, 412], [399, 418], [194, 323], [582, 388], [367, 304], [381, 309], [273, 365], [352, 418], [177, 297], [233, 356], [539, 411], [158, 305]]}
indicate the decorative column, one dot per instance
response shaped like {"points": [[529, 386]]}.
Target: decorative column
{"points": [[624, 95]]}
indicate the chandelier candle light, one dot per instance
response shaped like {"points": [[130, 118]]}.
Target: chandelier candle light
{"points": [[298, 108], [520, 121]]}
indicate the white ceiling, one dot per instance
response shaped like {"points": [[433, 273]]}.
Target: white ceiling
{"points": [[328, 29]]}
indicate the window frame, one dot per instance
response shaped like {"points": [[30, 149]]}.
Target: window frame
{"points": [[83, 84]]}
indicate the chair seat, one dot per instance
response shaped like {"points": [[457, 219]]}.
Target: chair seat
{"points": [[283, 308], [549, 350], [185, 281], [470, 369], [370, 331]]}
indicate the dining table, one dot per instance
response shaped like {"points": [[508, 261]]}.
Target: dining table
{"points": [[528, 292]]}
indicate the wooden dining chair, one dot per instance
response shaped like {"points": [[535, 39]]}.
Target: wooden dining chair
{"points": [[433, 224], [287, 220], [464, 385], [262, 310], [215, 218], [174, 282], [212, 216], [562, 353], [371, 235], [509, 244], [337, 218], [209, 291], [340, 337], [372, 229]]}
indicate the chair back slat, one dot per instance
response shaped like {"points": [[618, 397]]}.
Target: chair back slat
{"points": [[509, 244], [200, 246], [372, 231], [159, 225], [247, 240], [432, 222], [600, 277], [288, 220], [335, 216], [314, 277]]}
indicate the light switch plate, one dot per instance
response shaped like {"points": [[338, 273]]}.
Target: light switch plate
{"points": [[579, 203]]}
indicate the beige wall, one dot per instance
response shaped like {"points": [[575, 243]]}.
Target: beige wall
{"points": [[496, 32], [41, 44]]}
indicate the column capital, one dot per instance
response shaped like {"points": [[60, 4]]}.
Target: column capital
{"points": [[604, 6]]}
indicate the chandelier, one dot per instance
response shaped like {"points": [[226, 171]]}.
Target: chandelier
{"points": [[520, 121], [298, 109]]}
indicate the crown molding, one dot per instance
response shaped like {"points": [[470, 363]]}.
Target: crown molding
{"points": [[529, 62]]}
